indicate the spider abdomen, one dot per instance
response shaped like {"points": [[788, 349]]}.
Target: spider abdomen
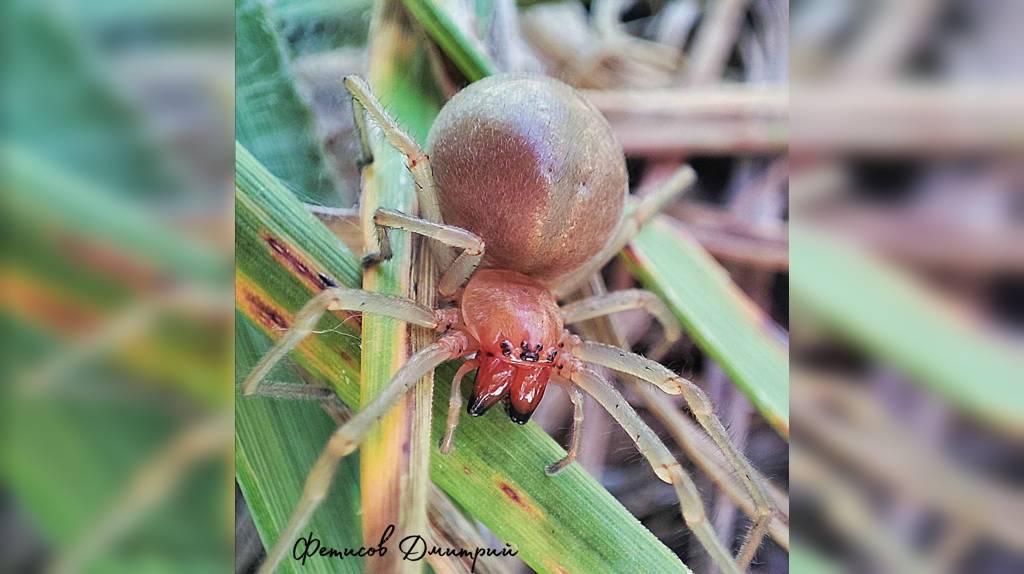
{"points": [[534, 169]]}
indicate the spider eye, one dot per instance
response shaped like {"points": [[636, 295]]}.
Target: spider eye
{"points": [[528, 354], [506, 348]]}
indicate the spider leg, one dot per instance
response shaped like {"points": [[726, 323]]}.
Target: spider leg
{"points": [[608, 303], [664, 464], [458, 273], [653, 372], [638, 213], [574, 432], [455, 405], [417, 160], [336, 299], [347, 437], [687, 435]]}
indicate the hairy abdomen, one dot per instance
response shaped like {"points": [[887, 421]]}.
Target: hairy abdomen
{"points": [[531, 167]]}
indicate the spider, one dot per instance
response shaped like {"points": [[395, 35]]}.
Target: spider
{"points": [[525, 166]]}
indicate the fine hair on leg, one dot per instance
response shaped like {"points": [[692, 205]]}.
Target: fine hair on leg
{"points": [[655, 373], [574, 432], [348, 436], [664, 464], [336, 299], [417, 160]]}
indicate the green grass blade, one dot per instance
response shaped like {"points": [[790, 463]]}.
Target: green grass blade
{"points": [[271, 118], [283, 256], [274, 439], [395, 458], [74, 114], [567, 523], [720, 318], [892, 318], [467, 56]]}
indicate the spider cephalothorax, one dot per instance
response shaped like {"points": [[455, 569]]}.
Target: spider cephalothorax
{"points": [[518, 326]]}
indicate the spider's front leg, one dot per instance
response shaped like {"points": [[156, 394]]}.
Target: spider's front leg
{"points": [[338, 299], [599, 306], [455, 405], [453, 344], [348, 436], [657, 454], [653, 372], [574, 432]]}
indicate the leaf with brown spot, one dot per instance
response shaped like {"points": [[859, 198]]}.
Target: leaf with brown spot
{"points": [[570, 520]]}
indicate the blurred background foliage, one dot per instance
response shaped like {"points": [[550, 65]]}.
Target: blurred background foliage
{"points": [[907, 285], [116, 275]]}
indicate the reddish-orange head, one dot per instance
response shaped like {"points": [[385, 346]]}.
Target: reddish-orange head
{"points": [[518, 325]]}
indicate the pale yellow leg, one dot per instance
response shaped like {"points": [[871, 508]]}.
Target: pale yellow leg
{"points": [[601, 305], [664, 464], [336, 299], [454, 406], [346, 439], [460, 270], [574, 433], [417, 160], [653, 372]]}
